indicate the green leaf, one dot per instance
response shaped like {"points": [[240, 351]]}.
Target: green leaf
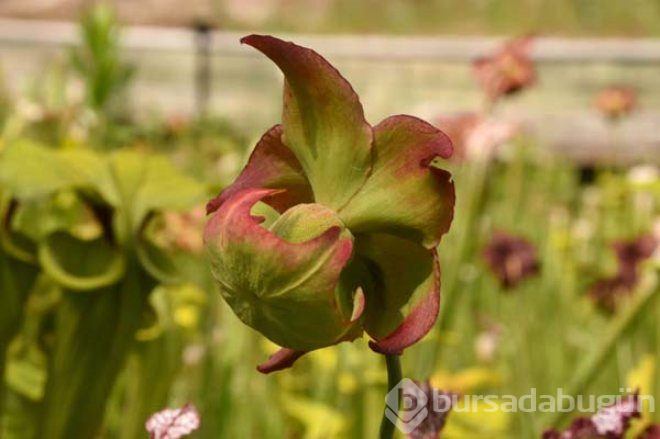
{"points": [[142, 184], [30, 170], [14, 243], [158, 262], [164, 187], [16, 280], [40, 217], [81, 265], [26, 370], [323, 121]]}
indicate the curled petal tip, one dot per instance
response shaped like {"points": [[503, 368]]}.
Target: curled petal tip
{"points": [[271, 165], [282, 359], [416, 325], [215, 203], [250, 39]]}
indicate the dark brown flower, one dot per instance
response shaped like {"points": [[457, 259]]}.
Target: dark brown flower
{"points": [[631, 253], [580, 428], [435, 421], [608, 292], [652, 432], [616, 102], [511, 258], [507, 71]]}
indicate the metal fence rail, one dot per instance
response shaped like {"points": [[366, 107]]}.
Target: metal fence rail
{"points": [[427, 76], [636, 50]]}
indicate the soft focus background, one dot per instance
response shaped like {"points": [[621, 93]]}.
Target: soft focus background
{"points": [[119, 120]]}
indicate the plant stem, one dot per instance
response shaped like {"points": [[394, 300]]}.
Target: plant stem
{"points": [[393, 377]]}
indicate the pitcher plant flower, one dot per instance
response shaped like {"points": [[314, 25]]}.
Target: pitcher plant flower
{"points": [[616, 102], [330, 231], [508, 71]]}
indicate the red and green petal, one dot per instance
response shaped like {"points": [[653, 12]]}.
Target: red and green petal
{"points": [[282, 359], [323, 121], [271, 165], [407, 194], [280, 282], [403, 302]]}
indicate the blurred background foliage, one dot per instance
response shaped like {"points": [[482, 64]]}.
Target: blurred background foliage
{"points": [[498, 17], [432, 17], [108, 312]]}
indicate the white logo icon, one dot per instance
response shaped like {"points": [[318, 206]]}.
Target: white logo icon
{"points": [[412, 402]]}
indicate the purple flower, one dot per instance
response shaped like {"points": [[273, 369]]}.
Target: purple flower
{"points": [[610, 422], [609, 291], [511, 258], [633, 252], [173, 423]]}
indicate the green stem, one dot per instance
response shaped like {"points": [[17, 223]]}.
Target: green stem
{"points": [[595, 361], [394, 376], [656, 378]]}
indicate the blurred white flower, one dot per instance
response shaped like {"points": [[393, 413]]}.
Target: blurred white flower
{"points": [[476, 137], [193, 354], [643, 175], [29, 110], [173, 423], [607, 423], [583, 229], [614, 421], [487, 137], [487, 343]]}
